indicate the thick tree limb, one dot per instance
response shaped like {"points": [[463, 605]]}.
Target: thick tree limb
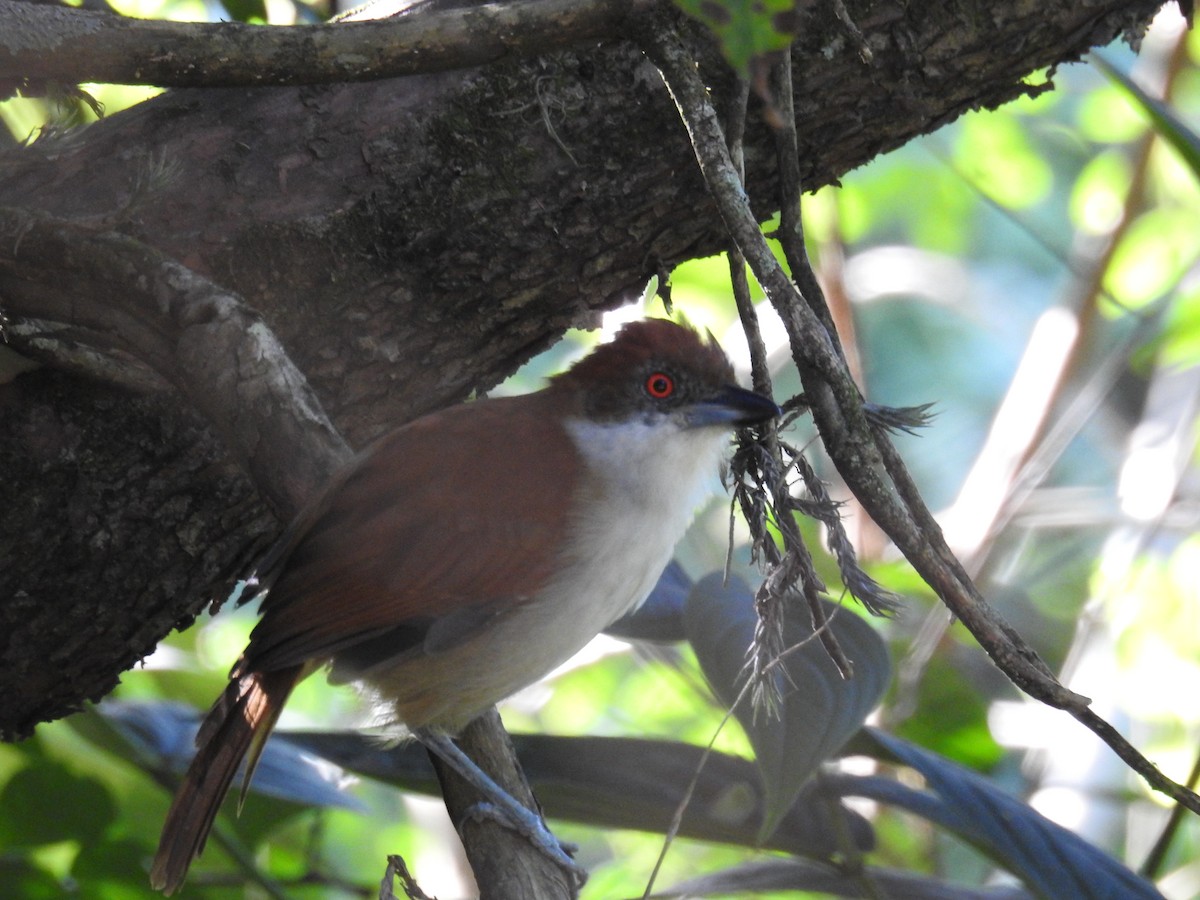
{"points": [[148, 318], [200, 338], [862, 453]]}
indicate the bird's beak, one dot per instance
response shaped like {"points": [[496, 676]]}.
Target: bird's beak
{"points": [[732, 405]]}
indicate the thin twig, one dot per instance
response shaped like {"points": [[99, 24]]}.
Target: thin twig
{"points": [[861, 451], [832, 396], [397, 867], [686, 800], [791, 239], [1152, 865], [791, 223], [796, 563]]}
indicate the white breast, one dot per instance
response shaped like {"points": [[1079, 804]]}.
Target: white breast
{"points": [[645, 482]]}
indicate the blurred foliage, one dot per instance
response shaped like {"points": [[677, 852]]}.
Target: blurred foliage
{"points": [[749, 32], [1069, 216]]}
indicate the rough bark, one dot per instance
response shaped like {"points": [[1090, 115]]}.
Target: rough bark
{"points": [[409, 241]]}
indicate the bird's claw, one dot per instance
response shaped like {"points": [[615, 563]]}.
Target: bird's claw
{"points": [[530, 825]]}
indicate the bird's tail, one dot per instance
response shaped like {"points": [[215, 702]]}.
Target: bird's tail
{"points": [[237, 727]]}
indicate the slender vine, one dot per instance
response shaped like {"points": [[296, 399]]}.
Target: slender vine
{"points": [[857, 443]]}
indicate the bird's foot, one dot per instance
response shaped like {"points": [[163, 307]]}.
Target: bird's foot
{"points": [[529, 825], [502, 806]]}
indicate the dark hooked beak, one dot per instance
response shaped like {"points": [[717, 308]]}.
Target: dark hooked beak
{"points": [[732, 406]]}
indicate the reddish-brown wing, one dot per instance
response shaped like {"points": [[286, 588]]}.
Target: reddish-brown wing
{"points": [[452, 514]]}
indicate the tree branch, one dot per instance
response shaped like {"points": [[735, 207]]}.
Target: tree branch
{"points": [[505, 863], [59, 44]]}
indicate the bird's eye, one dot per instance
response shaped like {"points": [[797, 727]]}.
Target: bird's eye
{"points": [[660, 385]]}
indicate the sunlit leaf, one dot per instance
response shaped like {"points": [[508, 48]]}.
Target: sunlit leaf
{"points": [[1098, 195], [748, 30], [1160, 246], [994, 151], [1180, 343], [1109, 115], [820, 709], [1165, 121], [880, 202]]}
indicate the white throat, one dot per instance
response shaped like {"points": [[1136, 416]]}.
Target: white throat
{"points": [[645, 482], [655, 472]]}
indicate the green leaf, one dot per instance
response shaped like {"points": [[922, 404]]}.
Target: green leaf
{"points": [[1158, 250], [46, 803], [246, 10], [112, 869], [1098, 195], [951, 717], [747, 30], [1181, 338], [996, 153], [1185, 141], [820, 709], [23, 878]]}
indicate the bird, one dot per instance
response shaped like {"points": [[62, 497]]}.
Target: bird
{"points": [[468, 553]]}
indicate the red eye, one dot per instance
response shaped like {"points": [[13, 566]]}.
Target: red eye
{"points": [[660, 385]]}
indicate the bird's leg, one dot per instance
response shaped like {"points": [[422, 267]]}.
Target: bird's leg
{"points": [[503, 807]]}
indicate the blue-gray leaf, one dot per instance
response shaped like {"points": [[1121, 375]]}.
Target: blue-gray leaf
{"points": [[1051, 861], [820, 709], [159, 736]]}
